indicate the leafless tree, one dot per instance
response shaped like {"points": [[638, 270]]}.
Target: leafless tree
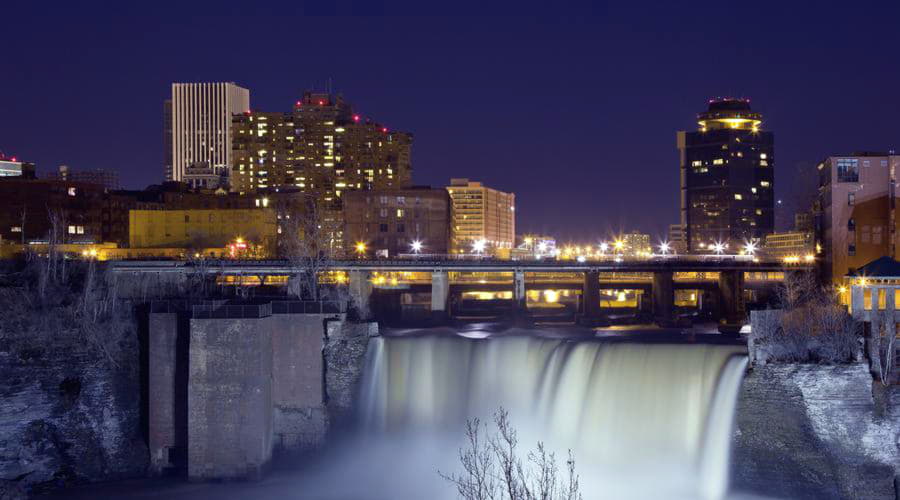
{"points": [[308, 242], [23, 216], [884, 345], [493, 470]]}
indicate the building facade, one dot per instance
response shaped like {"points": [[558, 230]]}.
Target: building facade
{"points": [[201, 228], [727, 177], [109, 179], [44, 210], [321, 147], [392, 222], [856, 221], [789, 245], [677, 241], [200, 117], [481, 214], [10, 166]]}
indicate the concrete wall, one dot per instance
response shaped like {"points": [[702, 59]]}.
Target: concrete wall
{"points": [[161, 366], [230, 410]]}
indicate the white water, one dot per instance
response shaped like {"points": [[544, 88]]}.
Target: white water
{"points": [[644, 420]]}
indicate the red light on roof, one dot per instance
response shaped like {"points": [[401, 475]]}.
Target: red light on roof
{"points": [[299, 103], [384, 129], [321, 102], [13, 158], [356, 118]]}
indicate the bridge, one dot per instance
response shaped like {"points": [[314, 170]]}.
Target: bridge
{"points": [[727, 277]]}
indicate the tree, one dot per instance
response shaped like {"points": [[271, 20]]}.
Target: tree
{"points": [[308, 241], [493, 470], [884, 346]]}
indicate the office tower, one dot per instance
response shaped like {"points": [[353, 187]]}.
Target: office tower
{"points": [[857, 217], [727, 177], [481, 215], [321, 147], [201, 115]]}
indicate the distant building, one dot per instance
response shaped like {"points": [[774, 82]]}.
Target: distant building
{"points": [[167, 140], [321, 147], [535, 246], [857, 222], [804, 222], [799, 244], [199, 117], [202, 176], [10, 166], [481, 214], [30, 209], [635, 244], [392, 221], [109, 179], [677, 241], [727, 177], [201, 228]]}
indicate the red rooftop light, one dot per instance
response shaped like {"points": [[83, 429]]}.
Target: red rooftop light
{"points": [[321, 102], [356, 118], [384, 129]]}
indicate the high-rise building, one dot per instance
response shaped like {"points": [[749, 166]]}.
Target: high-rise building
{"points": [[10, 166], [109, 179], [167, 139], [481, 214], [793, 244], [201, 115], [727, 177], [857, 218], [677, 242], [321, 147]]}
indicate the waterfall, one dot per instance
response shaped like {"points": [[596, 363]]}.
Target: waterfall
{"points": [[644, 420]]}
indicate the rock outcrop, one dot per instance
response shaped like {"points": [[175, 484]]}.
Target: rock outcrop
{"points": [[67, 416], [817, 432]]}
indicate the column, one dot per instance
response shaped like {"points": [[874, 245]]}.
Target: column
{"points": [[731, 293], [360, 286], [519, 304], [590, 294], [440, 295], [663, 298]]}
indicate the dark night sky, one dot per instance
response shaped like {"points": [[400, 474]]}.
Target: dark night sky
{"points": [[576, 115]]}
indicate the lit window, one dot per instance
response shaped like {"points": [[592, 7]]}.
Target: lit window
{"points": [[867, 299], [738, 197], [882, 299], [16, 229], [71, 191], [851, 198], [399, 213], [696, 163], [718, 161], [71, 229], [764, 183], [753, 190], [762, 156]]}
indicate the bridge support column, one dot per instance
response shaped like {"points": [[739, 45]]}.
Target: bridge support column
{"points": [[520, 307], [360, 286], [731, 301], [440, 295], [590, 299], [663, 298]]}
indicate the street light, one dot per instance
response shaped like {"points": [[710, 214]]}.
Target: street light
{"points": [[416, 246], [360, 248], [750, 248], [478, 246], [604, 247], [719, 248], [664, 248]]}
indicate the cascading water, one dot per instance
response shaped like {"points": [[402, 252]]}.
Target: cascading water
{"points": [[644, 420]]}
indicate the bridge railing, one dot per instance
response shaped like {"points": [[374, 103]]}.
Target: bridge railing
{"points": [[231, 311], [308, 307]]}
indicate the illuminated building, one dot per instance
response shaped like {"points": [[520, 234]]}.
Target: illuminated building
{"points": [[392, 221], [199, 118], [201, 228], [634, 244], [857, 219], [727, 177], [481, 216], [322, 147], [789, 244], [27, 205], [109, 179], [10, 166]]}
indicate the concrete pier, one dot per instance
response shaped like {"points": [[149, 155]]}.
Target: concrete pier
{"points": [[731, 301], [590, 294], [360, 287], [663, 299], [440, 295]]}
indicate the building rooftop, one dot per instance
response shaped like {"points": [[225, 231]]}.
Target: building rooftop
{"points": [[729, 113], [883, 267]]}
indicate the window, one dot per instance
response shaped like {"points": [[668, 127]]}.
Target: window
{"points": [[851, 225], [401, 200], [16, 229], [867, 299], [718, 161], [897, 299], [882, 299], [764, 184], [851, 199], [848, 170], [400, 213], [738, 197], [696, 163], [71, 229], [401, 228], [383, 200], [72, 191], [851, 249], [383, 212], [383, 228]]}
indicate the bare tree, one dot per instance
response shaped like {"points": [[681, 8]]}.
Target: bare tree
{"points": [[308, 242], [493, 470], [884, 345]]}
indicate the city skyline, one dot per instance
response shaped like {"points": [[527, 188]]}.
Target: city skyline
{"points": [[586, 141]]}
